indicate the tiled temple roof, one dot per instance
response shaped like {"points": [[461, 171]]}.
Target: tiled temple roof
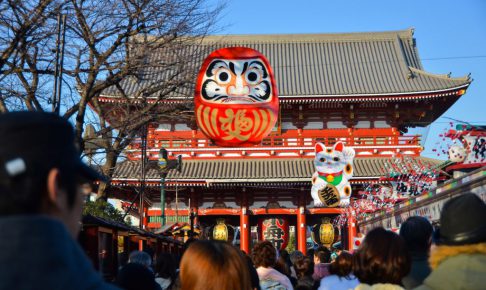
{"points": [[316, 65], [259, 170]]}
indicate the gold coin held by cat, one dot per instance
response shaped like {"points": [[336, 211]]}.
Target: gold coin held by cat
{"points": [[329, 195]]}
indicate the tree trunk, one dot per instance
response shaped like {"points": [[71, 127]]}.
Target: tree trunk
{"points": [[107, 169]]}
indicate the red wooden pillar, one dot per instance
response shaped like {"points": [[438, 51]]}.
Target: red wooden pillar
{"points": [[244, 230], [301, 229], [351, 232], [193, 204], [145, 217], [244, 224], [140, 245]]}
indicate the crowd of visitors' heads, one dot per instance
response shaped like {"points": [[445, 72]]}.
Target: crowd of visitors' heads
{"points": [[382, 258], [214, 265]]}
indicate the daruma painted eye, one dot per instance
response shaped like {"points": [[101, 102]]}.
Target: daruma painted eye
{"points": [[223, 76], [253, 77], [236, 102]]}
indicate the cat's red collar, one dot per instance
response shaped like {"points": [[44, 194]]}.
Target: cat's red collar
{"points": [[327, 174]]}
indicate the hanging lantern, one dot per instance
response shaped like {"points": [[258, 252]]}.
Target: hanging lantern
{"points": [[323, 233], [220, 231], [236, 100], [276, 231]]}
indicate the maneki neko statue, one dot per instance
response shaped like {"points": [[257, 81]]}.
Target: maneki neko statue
{"points": [[330, 183]]}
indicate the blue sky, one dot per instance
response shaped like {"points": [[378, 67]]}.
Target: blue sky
{"points": [[451, 37]]}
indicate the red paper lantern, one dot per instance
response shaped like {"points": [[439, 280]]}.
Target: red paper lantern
{"points": [[276, 231], [236, 100]]}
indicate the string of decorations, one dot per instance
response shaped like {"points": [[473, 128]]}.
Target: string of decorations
{"points": [[405, 176]]}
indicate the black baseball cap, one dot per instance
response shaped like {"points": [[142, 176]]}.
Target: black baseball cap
{"points": [[463, 221], [34, 142]]}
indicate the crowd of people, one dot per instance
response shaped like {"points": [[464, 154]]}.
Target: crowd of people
{"points": [[416, 258], [40, 208]]}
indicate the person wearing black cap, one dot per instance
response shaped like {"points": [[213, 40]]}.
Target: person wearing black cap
{"points": [[41, 177], [459, 260], [417, 233]]}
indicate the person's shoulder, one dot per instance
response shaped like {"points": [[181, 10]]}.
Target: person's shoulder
{"points": [[378, 286], [422, 287], [330, 278], [106, 286]]}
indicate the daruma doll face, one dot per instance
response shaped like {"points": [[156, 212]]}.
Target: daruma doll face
{"points": [[236, 101]]}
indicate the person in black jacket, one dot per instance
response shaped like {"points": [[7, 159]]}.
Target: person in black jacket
{"points": [[41, 200]]}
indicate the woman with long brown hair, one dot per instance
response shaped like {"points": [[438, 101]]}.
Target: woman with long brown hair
{"points": [[381, 261], [213, 265]]}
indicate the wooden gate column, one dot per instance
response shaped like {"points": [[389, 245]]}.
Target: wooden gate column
{"points": [[301, 228], [244, 224], [351, 232]]}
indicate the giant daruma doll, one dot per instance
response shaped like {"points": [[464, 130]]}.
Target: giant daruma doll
{"points": [[236, 101]]}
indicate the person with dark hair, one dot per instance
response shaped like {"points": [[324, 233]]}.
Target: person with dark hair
{"points": [[322, 258], [264, 256], [41, 201], [122, 259], [214, 265], [459, 259], [134, 276], [341, 274], [165, 271], [142, 258], [281, 266], [304, 269], [302, 287], [417, 233], [285, 257], [381, 261], [255, 281], [294, 256]]}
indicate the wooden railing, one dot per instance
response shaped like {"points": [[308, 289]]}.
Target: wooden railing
{"points": [[369, 141], [294, 138]]}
